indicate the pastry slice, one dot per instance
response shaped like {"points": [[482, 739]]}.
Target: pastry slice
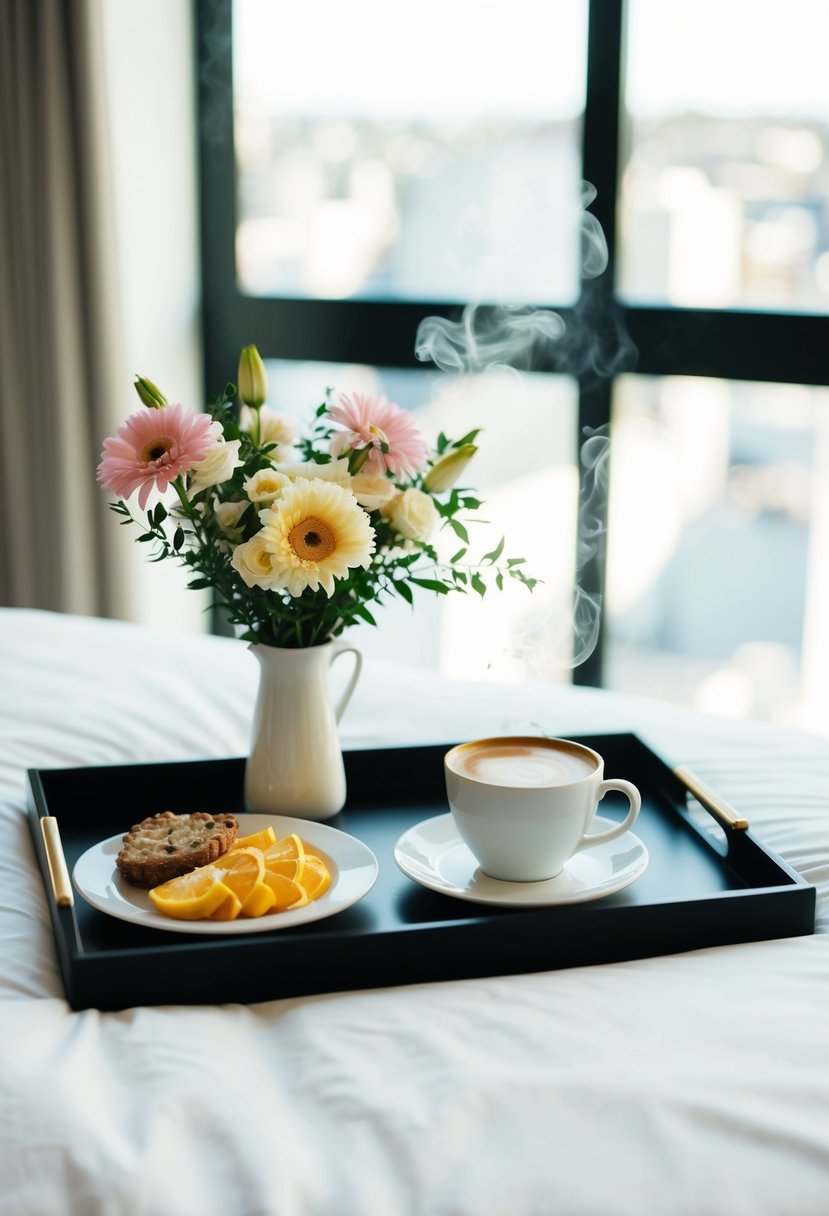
{"points": [[164, 846]]}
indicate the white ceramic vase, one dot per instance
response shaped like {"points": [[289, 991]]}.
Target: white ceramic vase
{"points": [[295, 765]]}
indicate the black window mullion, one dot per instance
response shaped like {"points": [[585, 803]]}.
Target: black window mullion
{"points": [[600, 167], [785, 348], [221, 325]]}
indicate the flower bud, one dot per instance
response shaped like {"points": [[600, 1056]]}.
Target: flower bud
{"points": [[253, 379], [444, 474], [150, 394]]}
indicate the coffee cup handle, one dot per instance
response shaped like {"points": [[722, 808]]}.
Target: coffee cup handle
{"points": [[634, 798]]}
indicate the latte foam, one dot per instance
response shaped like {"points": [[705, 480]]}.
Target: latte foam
{"points": [[523, 764]]}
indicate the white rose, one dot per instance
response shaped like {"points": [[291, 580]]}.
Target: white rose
{"points": [[216, 467], [275, 428], [372, 491], [255, 563], [413, 514], [334, 470], [228, 515], [265, 485]]}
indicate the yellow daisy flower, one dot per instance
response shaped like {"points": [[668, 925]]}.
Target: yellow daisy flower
{"points": [[315, 532]]}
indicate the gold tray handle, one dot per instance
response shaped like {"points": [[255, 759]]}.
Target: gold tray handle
{"points": [[712, 802], [61, 883]]}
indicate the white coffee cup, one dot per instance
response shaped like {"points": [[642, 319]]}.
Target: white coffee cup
{"points": [[523, 805]]}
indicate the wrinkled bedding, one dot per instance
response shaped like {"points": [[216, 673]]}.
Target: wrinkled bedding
{"points": [[695, 1083]]}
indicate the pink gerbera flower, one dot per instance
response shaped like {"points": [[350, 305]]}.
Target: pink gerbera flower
{"points": [[152, 448], [394, 443]]}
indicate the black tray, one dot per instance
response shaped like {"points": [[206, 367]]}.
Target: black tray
{"points": [[703, 887]]}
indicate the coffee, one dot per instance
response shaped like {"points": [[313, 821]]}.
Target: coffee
{"points": [[523, 804], [533, 763]]}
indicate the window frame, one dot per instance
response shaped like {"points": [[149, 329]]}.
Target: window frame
{"points": [[728, 344]]}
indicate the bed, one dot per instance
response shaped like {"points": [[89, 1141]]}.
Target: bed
{"points": [[693, 1082]]}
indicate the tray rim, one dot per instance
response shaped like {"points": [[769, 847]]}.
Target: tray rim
{"points": [[75, 960]]}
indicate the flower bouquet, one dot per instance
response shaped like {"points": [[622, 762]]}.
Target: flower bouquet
{"points": [[299, 536]]}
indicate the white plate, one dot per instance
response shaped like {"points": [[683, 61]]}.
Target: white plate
{"points": [[433, 854], [352, 864]]}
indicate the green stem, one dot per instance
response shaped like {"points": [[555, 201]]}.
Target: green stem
{"points": [[189, 511]]}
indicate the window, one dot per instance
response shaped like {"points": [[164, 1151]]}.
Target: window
{"points": [[713, 598], [349, 192], [364, 173], [725, 189]]}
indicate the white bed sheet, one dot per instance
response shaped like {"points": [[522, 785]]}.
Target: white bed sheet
{"points": [[694, 1083]]}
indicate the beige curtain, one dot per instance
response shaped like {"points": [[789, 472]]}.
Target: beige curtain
{"points": [[59, 323]]}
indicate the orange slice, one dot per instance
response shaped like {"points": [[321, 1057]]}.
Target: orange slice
{"points": [[291, 867], [229, 910], [192, 896], [242, 870], [316, 878], [256, 840], [289, 848], [286, 892], [260, 900]]}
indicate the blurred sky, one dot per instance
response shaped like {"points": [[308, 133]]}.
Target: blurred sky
{"points": [[435, 59]]}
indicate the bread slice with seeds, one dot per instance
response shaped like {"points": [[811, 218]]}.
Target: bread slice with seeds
{"points": [[166, 845]]}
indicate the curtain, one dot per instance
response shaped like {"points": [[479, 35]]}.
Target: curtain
{"points": [[59, 320]]}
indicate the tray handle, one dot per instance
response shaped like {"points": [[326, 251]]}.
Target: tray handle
{"points": [[712, 802], [61, 884]]}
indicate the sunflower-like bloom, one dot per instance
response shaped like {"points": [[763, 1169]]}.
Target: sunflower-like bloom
{"points": [[314, 533], [152, 448]]}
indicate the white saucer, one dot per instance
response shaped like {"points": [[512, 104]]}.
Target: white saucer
{"points": [[352, 864], [433, 854]]}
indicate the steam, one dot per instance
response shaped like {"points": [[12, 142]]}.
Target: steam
{"points": [[487, 339], [556, 636], [587, 606], [591, 344]]}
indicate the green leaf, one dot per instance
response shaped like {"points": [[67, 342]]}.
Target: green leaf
{"points": [[470, 437], [442, 444], [456, 557], [403, 589], [499, 580], [496, 552], [515, 561], [478, 585], [199, 584], [431, 584], [178, 539], [361, 611], [160, 514], [459, 530], [144, 537], [471, 504]]}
